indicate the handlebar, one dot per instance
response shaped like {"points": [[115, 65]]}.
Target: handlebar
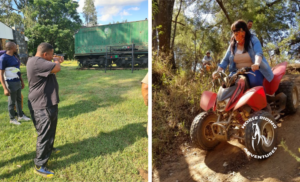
{"points": [[231, 80]]}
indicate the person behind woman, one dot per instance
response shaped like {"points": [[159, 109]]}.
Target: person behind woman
{"points": [[245, 51]]}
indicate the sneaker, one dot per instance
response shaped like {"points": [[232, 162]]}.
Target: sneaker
{"points": [[55, 150], [43, 171], [14, 121], [25, 118], [24, 114], [16, 114]]}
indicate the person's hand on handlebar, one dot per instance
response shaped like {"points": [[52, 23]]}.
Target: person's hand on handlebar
{"points": [[255, 67], [215, 73]]}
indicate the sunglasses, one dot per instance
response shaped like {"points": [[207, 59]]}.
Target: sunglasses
{"points": [[237, 31]]}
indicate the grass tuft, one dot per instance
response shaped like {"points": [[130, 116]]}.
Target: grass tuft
{"points": [[176, 101]]}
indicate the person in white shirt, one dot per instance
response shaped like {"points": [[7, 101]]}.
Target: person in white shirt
{"points": [[207, 59]]}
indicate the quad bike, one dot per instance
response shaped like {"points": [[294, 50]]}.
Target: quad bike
{"points": [[227, 111], [207, 66]]}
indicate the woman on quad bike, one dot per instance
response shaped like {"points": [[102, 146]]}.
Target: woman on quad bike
{"points": [[239, 112], [245, 51]]}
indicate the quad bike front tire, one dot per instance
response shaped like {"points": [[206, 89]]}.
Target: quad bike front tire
{"points": [[260, 135], [290, 89], [201, 133]]}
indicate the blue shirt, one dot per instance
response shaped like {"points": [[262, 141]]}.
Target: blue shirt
{"points": [[254, 49], [7, 61]]}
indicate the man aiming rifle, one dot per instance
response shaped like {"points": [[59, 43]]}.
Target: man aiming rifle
{"points": [[43, 102]]}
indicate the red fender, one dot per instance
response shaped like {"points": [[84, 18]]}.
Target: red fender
{"points": [[236, 95], [278, 71], [254, 97], [208, 100]]}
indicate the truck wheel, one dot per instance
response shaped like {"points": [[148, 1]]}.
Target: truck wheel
{"points": [[84, 64], [260, 134], [290, 89], [201, 133]]}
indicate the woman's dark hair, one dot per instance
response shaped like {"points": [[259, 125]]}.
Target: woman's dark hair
{"points": [[237, 25]]}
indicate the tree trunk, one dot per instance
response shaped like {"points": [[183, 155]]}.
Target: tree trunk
{"points": [[224, 10], [154, 25], [195, 50], [165, 20], [175, 26]]}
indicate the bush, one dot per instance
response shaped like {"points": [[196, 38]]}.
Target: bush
{"points": [[175, 103]]}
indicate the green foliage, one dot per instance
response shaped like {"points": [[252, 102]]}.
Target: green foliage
{"points": [[52, 21], [55, 22], [7, 15], [203, 26], [154, 8]]}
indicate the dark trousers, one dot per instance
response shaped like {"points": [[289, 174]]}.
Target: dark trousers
{"points": [[255, 80], [14, 99], [45, 121]]}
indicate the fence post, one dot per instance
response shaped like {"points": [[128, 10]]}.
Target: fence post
{"points": [[106, 59], [132, 58]]}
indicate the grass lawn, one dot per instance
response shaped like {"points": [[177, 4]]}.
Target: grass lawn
{"points": [[101, 129]]}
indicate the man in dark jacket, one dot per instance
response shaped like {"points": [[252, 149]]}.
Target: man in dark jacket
{"points": [[43, 103]]}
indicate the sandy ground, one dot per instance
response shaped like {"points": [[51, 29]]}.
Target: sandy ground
{"points": [[228, 161]]}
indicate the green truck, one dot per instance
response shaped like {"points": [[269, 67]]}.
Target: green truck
{"points": [[113, 44]]}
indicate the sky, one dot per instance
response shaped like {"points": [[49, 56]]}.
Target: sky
{"points": [[109, 11], [190, 13]]}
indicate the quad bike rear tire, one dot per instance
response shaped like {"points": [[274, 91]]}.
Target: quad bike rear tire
{"points": [[290, 89], [258, 146], [201, 134]]}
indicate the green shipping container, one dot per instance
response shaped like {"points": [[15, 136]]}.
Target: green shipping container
{"points": [[93, 40]]}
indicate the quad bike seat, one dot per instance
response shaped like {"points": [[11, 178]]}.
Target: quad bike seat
{"points": [[278, 71]]}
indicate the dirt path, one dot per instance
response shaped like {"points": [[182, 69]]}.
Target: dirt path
{"points": [[228, 161]]}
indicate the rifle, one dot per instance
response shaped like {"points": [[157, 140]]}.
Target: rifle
{"points": [[59, 55]]}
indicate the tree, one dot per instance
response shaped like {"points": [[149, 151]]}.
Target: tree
{"points": [[89, 12], [275, 22], [163, 18], [8, 14], [55, 22]]}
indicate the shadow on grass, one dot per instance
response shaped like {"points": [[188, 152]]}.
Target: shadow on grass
{"points": [[103, 144], [82, 107]]}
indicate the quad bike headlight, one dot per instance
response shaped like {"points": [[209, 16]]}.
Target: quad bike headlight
{"points": [[222, 104]]}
